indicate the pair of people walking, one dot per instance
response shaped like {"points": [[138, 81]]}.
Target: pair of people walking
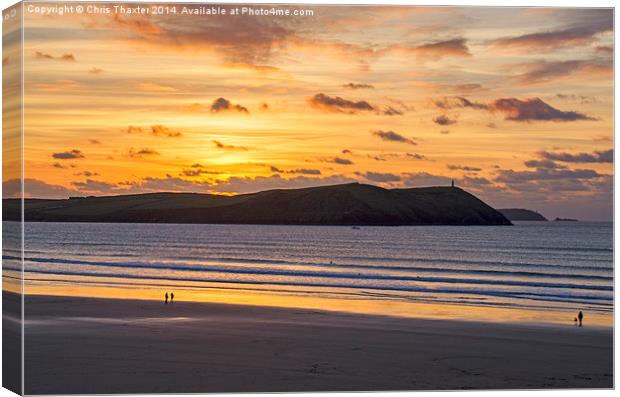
{"points": [[171, 297]]}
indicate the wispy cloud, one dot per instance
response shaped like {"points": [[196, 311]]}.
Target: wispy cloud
{"points": [[444, 120], [139, 153], [156, 130], [337, 160], [392, 136], [605, 156], [300, 171], [358, 86], [533, 109], [338, 104], [456, 102], [155, 87], [463, 168], [380, 177], [69, 155], [545, 72], [64, 57], [575, 35], [223, 146], [456, 47]]}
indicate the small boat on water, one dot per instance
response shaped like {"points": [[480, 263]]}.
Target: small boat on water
{"points": [[355, 227]]}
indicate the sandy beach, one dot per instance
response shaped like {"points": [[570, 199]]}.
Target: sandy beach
{"points": [[83, 345]]}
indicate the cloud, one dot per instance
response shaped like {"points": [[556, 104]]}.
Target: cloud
{"points": [[154, 87], [260, 183], [64, 57], [420, 179], [444, 120], [223, 105], [142, 152], [447, 48], [69, 155], [166, 184], [387, 156], [416, 156], [510, 176], [545, 72], [61, 86], [605, 156], [160, 130], [170, 183], [197, 170], [87, 174], [583, 99], [380, 177], [543, 164], [456, 102], [533, 109], [576, 35], [301, 171], [337, 160], [392, 136], [237, 39], [157, 130], [94, 186], [463, 168], [34, 188], [390, 111], [338, 104], [474, 182], [63, 166], [358, 86], [220, 145], [466, 88], [604, 49], [134, 130]]}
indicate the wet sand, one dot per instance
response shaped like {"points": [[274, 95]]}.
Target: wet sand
{"points": [[83, 345]]}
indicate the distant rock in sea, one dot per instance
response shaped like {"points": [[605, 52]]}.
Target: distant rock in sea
{"points": [[521, 214], [349, 204]]}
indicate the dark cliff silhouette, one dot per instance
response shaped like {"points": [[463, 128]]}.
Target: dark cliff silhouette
{"points": [[348, 204], [521, 214]]}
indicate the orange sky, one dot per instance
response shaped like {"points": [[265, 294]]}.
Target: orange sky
{"points": [[515, 104]]}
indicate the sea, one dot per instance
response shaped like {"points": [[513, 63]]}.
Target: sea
{"points": [[547, 270]]}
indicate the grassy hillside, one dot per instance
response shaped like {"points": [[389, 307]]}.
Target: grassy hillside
{"points": [[349, 204]]}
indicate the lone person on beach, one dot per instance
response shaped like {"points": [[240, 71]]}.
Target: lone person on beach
{"points": [[166, 298], [580, 317], [172, 297]]}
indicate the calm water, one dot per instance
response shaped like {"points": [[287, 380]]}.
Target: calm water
{"points": [[557, 266]]}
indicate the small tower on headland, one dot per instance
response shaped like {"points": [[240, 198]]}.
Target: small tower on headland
{"points": [[453, 183]]}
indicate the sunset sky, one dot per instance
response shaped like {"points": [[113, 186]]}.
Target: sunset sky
{"points": [[514, 104]]}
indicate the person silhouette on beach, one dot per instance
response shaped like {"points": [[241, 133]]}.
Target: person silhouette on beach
{"points": [[172, 297], [580, 317], [166, 298]]}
